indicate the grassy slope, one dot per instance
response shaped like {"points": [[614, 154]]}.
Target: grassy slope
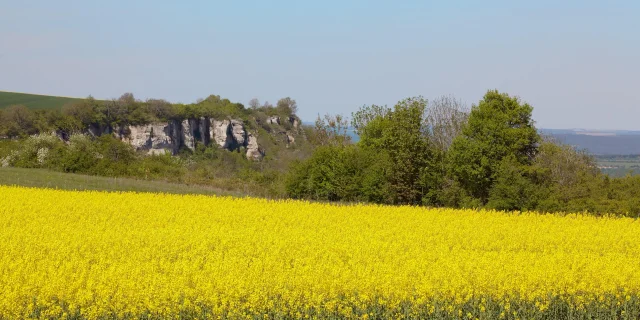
{"points": [[33, 101], [57, 180]]}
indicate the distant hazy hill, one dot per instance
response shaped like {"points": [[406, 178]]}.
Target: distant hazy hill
{"points": [[33, 101], [613, 142]]}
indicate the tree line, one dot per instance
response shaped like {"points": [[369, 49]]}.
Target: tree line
{"points": [[442, 154]]}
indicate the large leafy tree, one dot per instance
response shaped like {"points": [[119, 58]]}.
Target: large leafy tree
{"points": [[499, 126], [406, 141], [287, 106], [370, 123], [401, 134], [16, 121]]}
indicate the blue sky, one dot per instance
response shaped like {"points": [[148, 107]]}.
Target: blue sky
{"points": [[576, 62]]}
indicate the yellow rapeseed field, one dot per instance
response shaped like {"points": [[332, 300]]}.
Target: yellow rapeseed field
{"points": [[96, 255]]}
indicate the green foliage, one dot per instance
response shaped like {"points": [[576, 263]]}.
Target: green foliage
{"points": [[515, 187], [287, 106], [340, 173], [84, 112], [436, 155], [389, 165], [80, 156], [35, 151], [212, 107], [17, 121], [407, 145], [499, 126], [369, 123]]}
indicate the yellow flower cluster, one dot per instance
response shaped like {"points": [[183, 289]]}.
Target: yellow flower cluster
{"points": [[67, 254]]}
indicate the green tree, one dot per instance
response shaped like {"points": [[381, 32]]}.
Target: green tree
{"points": [[406, 141], [160, 109], [331, 130], [517, 186], [370, 123], [569, 174], [498, 127], [402, 136], [340, 173], [287, 106], [17, 121], [84, 111]]}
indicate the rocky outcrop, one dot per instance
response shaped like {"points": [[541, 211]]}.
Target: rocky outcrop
{"points": [[290, 138], [232, 135], [196, 131], [294, 122], [220, 130], [169, 137], [154, 138], [97, 130], [239, 133], [273, 120], [287, 138], [188, 128], [254, 152]]}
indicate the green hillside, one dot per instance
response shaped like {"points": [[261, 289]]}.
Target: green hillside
{"points": [[33, 101]]}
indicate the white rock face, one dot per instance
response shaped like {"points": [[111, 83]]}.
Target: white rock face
{"points": [[221, 133], [187, 133], [294, 121], [239, 134], [273, 120], [155, 138], [253, 149], [290, 138], [162, 138], [287, 137]]}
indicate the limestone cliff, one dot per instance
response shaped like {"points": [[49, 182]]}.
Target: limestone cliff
{"points": [[239, 133], [155, 138], [159, 138], [220, 131], [254, 152], [227, 133], [273, 120]]}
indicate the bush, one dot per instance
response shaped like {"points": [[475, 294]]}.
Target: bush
{"points": [[159, 166], [340, 173], [35, 151], [80, 155]]}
